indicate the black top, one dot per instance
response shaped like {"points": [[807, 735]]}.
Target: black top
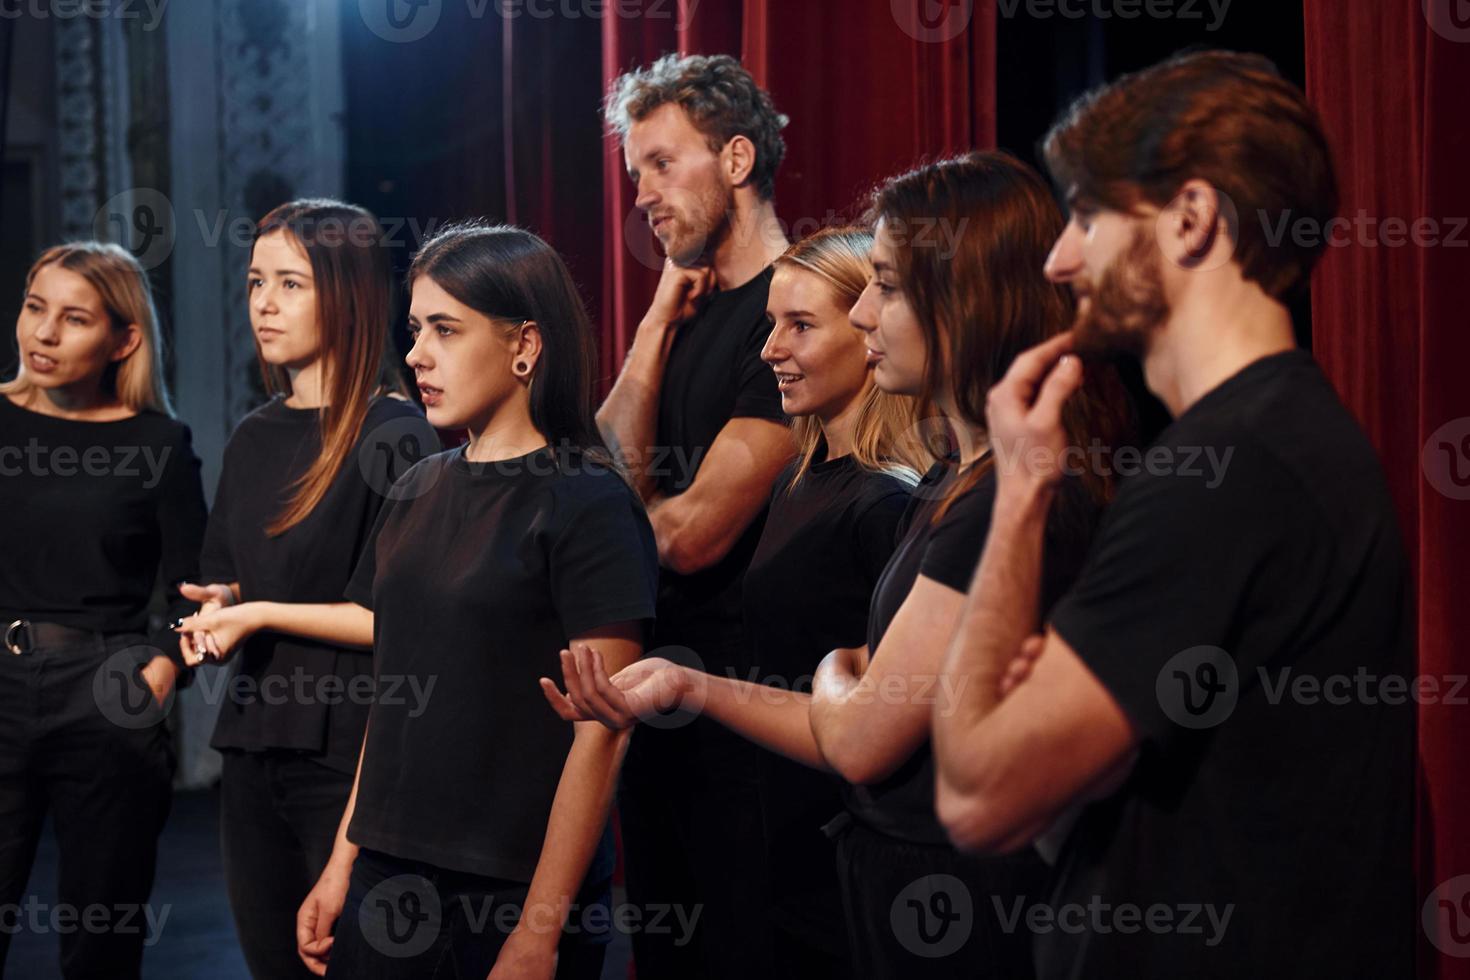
{"points": [[807, 592], [714, 374], [1291, 810], [326, 688], [92, 513], [948, 552], [478, 581]]}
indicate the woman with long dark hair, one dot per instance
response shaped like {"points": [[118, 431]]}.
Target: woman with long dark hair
{"points": [[304, 477], [100, 498], [475, 840], [957, 292]]}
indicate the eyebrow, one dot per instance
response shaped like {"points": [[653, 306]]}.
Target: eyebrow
{"points": [[64, 307], [255, 271], [881, 266], [805, 314], [433, 318]]}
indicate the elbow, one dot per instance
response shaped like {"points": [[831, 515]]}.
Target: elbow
{"points": [[976, 822], [856, 769], [685, 554]]}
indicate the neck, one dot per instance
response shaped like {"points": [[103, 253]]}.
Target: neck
{"points": [[508, 433], [971, 438], [80, 401], [1212, 336], [838, 429], [753, 240], [306, 385]]}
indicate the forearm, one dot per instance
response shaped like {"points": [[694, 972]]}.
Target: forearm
{"points": [[578, 815], [774, 718], [836, 721], [1000, 613], [628, 419], [344, 623], [344, 852]]}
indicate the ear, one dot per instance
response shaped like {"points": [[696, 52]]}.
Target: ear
{"points": [[527, 346], [1196, 230], [129, 339], [737, 160]]}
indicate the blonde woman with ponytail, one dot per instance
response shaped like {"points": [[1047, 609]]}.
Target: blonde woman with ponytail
{"points": [[100, 499], [834, 517]]}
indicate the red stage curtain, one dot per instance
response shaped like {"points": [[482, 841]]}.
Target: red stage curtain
{"points": [[1390, 328], [871, 88]]}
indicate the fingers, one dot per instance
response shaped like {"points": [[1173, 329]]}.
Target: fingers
{"points": [[1062, 383], [604, 700], [212, 647], [560, 703], [581, 693], [1031, 366]]}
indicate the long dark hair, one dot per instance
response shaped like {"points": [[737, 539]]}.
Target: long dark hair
{"points": [[354, 305], [508, 273], [984, 298]]}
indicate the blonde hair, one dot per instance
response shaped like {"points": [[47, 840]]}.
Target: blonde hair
{"points": [[886, 434], [136, 380]]}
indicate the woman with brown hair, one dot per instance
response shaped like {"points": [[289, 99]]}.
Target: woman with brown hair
{"points": [[303, 479], [100, 498], [957, 292]]}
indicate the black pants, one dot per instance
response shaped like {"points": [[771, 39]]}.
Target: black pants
{"points": [[695, 855], [82, 739], [279, 813], [927, 912], [407, 920]]}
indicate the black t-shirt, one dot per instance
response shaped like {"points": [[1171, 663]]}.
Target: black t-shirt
{"points": [[1291, 812], [290, 692], [947, 551], [478, 578], [714, 374], [91, 514], [807, 592]]}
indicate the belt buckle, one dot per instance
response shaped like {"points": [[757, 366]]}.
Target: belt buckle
{"points": [[13, 632]]}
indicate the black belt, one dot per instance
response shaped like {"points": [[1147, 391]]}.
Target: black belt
{"points": [[24, 636]]}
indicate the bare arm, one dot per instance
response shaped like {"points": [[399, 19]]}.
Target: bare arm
{"points": [[323, 905], [868, 722], [578, 816], [697, 528], [344, 623]]}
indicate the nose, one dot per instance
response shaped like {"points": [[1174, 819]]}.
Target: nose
{"points": [[863, 315], [415, 357], [1065, 260], [774, 351], [264, 298], [647, 196], [48, 331]]}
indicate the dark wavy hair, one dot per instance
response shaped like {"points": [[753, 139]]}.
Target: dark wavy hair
{"points": [[508, 273], [722, 100]]}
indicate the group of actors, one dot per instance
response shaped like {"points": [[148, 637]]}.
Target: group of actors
{"points": [[840, 598]]}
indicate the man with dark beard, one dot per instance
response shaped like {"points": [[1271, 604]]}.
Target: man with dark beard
{"points": [[697, 417], [1225, 686]]}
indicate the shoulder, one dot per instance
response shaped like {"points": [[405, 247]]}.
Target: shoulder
{"points": [[165, 430], [385, 408]]}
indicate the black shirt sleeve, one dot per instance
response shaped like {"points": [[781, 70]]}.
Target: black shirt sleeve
{"points": [[181, 520], [756, 394], [959, 537], [604, 563], [876, 528], [1170, 572], [360, 587]]}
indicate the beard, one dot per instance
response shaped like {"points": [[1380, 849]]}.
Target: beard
{"points": [[696, 231], [1127, 306]]}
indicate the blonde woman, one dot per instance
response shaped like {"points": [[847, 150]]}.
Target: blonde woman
{"points": [[833, 523], [99, 497]]}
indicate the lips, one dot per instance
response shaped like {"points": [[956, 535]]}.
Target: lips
{"points": [[785, 379], [874, 356], [268, 333], [41, 363], [430, 394]]}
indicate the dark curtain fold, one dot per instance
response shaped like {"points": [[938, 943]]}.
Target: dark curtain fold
{"points": [[1390, 328]]}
